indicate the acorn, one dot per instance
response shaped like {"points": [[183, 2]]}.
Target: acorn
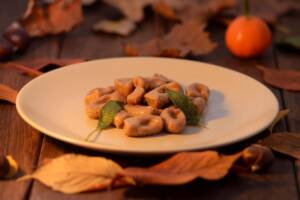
{"points": [[4, 166], [17, 36], [258, 157], [6, 49]]}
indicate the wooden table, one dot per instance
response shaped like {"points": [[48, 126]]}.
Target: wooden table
{"points": [[30, 147]]}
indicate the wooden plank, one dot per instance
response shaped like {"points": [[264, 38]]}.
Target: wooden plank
{"points": [[16, 137], [82, 43], [278, 182], [289, 59]]}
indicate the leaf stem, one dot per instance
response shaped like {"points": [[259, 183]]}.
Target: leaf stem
{"points": [[246, 8], [91, 133]]}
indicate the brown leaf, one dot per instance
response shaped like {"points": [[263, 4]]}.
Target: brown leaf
{"points": [[132, 9], [35, 66], [281, 78], [26, 70], [72, 173], [183, 39], [185, 167], [200, 11], [269, 10], [286, 143], [122, 27], [280, 115], [8, 166], [44, 17], [8, 94], [164, 9]]}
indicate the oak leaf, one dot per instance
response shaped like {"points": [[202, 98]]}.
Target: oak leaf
{"points": [[269, 10], [8, 94], [281, 78], [122, 27], [72, 173], [185, 167], [201, 11], [44, 17], [286, 143], [132, 9], [183, 39]]}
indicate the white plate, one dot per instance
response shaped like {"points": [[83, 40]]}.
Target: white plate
{"points": [[239, 106]]}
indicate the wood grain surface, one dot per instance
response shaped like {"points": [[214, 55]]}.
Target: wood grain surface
{"points": [[31, 148]]}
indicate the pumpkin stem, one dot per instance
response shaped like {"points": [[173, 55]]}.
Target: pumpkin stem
{"points": [[246, 8]]}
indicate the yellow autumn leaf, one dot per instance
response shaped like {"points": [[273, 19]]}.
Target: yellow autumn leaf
{"points": [[73, 173]]}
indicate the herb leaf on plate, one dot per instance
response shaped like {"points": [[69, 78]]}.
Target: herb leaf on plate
{"points": [[186, 105], [107, 115]]}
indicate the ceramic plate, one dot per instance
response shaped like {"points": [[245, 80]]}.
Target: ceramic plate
{"points": [[238, 107]]}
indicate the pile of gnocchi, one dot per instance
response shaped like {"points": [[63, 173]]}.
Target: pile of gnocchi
{"points": [[147, 108]]}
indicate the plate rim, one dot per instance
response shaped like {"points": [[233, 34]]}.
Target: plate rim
{"points": [[112, 149]]}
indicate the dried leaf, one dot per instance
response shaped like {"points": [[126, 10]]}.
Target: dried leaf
{"points": [[286, 143], [8, 166], [200, 11], [8, 94], [281, 114], [281, 78], [132, 9], [88, 2], [290, 41], [72, 173], [35, 66], [26, 70], [269, 10], [13, 167], [185, 167], [44, 17], [164, 9], [122, 27], [183, 39]]}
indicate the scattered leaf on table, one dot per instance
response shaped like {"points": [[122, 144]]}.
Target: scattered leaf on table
{"points": [[8, 94], [8, 166], [26, 70], [183, 39], [286, 143], [290, 41], [200, 11], [88, 2], [72, 173], [122, 27], [269, 10], [42, 63], [44, 17], [164, 9], [281, 78], [13, 167], [132, 9], [185, 167], [281, 114]]}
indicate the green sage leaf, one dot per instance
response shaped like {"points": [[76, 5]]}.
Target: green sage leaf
{"points": [[108, 113], [186, 105], [106, 117]]}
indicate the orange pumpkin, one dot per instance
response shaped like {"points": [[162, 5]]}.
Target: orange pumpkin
{"points": [[248, 36]]}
